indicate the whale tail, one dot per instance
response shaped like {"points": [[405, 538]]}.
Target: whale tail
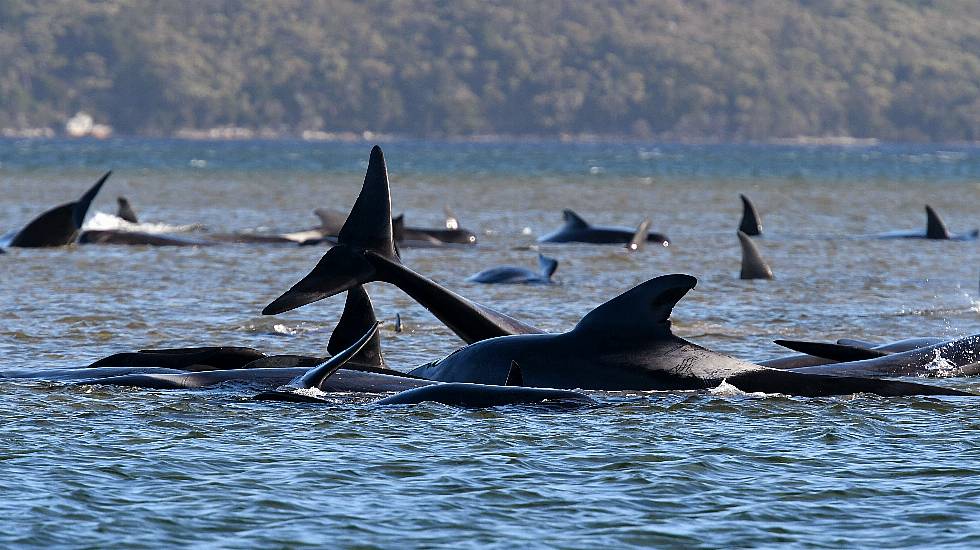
{"points": [[547, 266], [60, 225], [315, 376], [367, 228], [753, 266], [125, 210], [751, 223], [639, 236], [935, 227], [358, 318]]}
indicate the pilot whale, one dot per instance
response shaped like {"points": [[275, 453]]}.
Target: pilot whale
{"points": [[366, 252], [331, 221], [577, 230], [751, 223], [936, 229], [753, 266], [626, 344], [509, 274], [60, 225]]}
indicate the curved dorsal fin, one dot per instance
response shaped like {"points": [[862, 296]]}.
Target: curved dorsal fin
{"points": [[753, 266], [368, 225], [642, 311], [572, 219], [639, 236], [125, 210], [547, 266], [357, 318], [330, 220], [751, 223], [398, 227], [315, 376], [935, 228]]}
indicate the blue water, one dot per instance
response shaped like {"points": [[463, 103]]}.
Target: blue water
{"points": [[99, 466]]}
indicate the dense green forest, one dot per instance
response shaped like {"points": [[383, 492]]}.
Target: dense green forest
{"points": [[672, 69]]}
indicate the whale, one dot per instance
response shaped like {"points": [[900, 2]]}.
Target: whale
{"points": [[138, 238], [959, 357], [577, 230], [508, 274], [626, 344], [125, 210], [366, 252], [809, 357], [753, 266], [331, 221], [751, 223], [936, 230], [61, 225]]}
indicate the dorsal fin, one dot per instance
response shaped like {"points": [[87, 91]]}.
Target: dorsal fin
{"points": [[368, 225], [547, 266], [935, 228], [452, 222], [573, 220], [753, 266], [834, 352], [514, 375], [125, 210], [60, 225], [751, 223], [398, 227], [642, 311], [357, 318], [639, 239], [315, 376], [330, 220]]}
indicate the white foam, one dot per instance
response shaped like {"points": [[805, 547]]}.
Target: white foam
{"points": [[102, 221], [727, 390]]}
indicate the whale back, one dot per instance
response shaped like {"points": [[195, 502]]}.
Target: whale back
{"points": [[751, 223], [643, 312], [60, 225], [935, 227], [753, 266]]}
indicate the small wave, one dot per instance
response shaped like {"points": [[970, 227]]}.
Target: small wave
{"points": [[103, 221], [727, 390]]}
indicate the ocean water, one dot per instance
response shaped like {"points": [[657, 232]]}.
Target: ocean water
{"points": [[99, 467]]}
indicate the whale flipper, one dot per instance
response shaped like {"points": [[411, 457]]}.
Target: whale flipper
{"points": [[60, 225], [751, 223], [835, 352], [815, 385], [935, 227], [315, 376], [358, 317], [547, 266], [640, 236], [753, 266], [125, 210], [573, 220], [366, 252]]}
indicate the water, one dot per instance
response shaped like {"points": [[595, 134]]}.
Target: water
{"points": [[106, 466]]}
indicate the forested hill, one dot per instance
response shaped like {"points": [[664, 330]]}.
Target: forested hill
{"points": [[673, 69]]}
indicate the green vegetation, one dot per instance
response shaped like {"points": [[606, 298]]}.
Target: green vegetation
{"points": [[676, 69]]}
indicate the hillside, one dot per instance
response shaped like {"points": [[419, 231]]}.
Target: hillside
{"points": [[673, 69]]}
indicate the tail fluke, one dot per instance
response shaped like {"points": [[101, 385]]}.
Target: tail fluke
{"points": [[60, 225], [751, 223], [547, 266]]}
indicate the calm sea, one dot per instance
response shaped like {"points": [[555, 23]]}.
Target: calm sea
{"points": [[110, 467]]}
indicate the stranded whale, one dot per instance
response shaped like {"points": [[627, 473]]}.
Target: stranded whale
{"points": [[509, 274], [577, 230]]}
